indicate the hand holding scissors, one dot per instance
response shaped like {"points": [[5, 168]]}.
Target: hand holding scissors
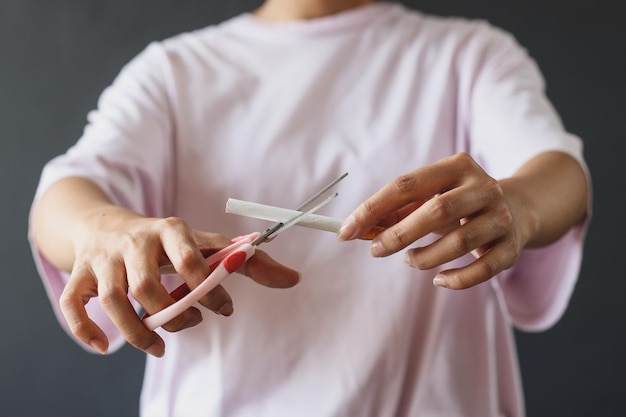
{"points": [[228, 260], [118, 252]]}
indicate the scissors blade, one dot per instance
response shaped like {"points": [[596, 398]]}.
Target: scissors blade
{"points": [[272, 232], [307, 203]]}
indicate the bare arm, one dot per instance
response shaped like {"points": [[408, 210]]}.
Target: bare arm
{"points": [[553, 189], [110, 251], [494, 220], [57, 215]]}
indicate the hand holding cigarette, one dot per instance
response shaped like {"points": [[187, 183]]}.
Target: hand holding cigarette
{"points": [[279, 214]]}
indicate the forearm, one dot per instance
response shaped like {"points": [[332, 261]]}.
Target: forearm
{"points": [[58, 213], [113, 252], [551, 191]]}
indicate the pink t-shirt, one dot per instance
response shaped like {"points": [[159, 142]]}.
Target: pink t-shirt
{"points": [[269, 112]]}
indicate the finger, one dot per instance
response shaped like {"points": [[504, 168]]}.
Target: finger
{"points": [[472, 235], [418, 185], [181, 250], [219, 301], [79, 290], [112, 291], [144, 281], [266, 271], [396, 216], [179, 244], [495, 260], [263, 270], [209, 243], [435, 214]]}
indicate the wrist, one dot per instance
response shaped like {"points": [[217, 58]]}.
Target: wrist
{"points": [[101, 218], [524, 213]]}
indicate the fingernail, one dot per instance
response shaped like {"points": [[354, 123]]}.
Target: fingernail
{"points": [[377, 249], [407, 259], [156, 350], [98, 345], [440, 282], [226, 310], [348, 229]]}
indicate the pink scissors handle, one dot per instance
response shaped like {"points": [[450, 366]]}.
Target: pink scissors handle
{"points": [[223, 263]]}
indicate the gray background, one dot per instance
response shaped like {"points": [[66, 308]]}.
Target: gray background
{"points": [[57, 56]]}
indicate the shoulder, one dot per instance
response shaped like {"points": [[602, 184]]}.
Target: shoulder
{"points": [[464, 37], [471, 47], [206, 40], [181, 56], [450, 27]]}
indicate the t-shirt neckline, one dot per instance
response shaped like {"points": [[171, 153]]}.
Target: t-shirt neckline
{"points": [[327, 25]]}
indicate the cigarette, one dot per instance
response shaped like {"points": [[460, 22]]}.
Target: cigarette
{"points": [[278, 214]]}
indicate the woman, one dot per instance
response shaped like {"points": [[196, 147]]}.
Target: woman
{"points": [[490, 196]]}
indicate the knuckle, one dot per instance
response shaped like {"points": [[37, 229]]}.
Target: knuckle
{"points": [[174, 223], [66, 301], [81, 265], [493, 187], [403, 184], [130, 241], [369, 208], [488, 268], [463, 241], [80, 328], [398, 238], [506, 217], [143, 286], [468, 168], [503, 221], [187, 261], [463, 160], [440, 207], [111, 297]]}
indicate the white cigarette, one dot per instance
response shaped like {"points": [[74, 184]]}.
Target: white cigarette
{"points": [[278, 214]]}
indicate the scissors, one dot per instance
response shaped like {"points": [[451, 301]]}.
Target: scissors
{"points": [[229, 259]]}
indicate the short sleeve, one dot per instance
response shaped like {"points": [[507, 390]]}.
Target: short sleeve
{"points": [[126, 150], [511, 121], [127, 143]]}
